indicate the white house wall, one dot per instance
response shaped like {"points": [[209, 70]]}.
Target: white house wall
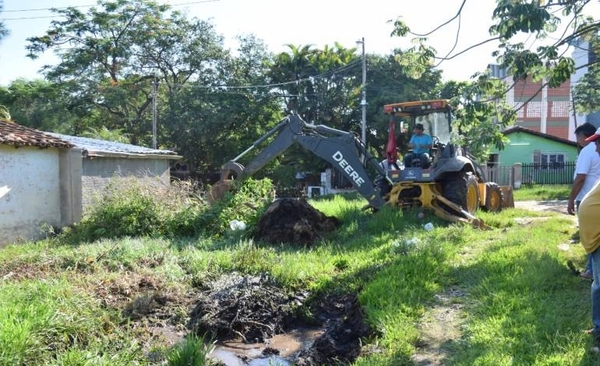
{"points": [[98, 172], [29, 192]]}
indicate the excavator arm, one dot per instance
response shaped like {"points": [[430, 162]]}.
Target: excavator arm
{"points": [[340, 148]]}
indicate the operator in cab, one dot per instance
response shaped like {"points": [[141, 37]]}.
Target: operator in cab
{"points": [[421, 144]]}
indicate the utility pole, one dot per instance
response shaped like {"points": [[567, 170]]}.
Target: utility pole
{"points": [[154, 94], [363, 101]]}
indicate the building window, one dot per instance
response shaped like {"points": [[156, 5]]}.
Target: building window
{"points": [[520, 110], [549, 160], [534, 109], [560, 109]]}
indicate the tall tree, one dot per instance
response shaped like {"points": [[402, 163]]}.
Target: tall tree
{"points": [[211, 124], [111, 56], [40, 104], [388, 83], [321, 86], [324, 86], [587, 91]]}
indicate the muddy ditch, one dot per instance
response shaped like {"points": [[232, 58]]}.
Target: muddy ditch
{"points": [[250, 318], [251, 321], [251, 310]]}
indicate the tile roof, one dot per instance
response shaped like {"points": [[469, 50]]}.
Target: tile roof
{"points": [[16, 135], [96, 147]]}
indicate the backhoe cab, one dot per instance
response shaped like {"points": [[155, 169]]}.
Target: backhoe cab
{"points": [[452, 184]]}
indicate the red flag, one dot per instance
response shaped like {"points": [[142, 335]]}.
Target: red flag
{"points": [[391, 153]]}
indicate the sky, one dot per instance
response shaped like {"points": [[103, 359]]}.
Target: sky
{"points": [[306, 22]]}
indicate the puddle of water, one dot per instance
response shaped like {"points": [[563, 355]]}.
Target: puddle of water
{"points": [[232, 359], [271, 361], [243, 354]]}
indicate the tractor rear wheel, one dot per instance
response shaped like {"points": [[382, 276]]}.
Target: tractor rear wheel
{"points": [[493, 197], [462, 189]]}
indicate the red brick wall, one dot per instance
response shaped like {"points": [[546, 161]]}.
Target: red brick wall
{"points": [[561, 91], [558, 108]]}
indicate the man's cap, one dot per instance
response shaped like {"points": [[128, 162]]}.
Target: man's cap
{"points": [[594, 137], [419, 126]]}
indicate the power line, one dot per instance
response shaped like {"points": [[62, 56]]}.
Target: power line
{"points": [[78, 6], [229, 88], [43, 9]]}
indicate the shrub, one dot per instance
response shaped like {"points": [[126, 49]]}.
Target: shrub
{"points": [[131, 207], [246, 203]]}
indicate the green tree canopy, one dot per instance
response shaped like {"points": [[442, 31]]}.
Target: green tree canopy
{"points": [[111, 56], [587, 91], [39, 104]]}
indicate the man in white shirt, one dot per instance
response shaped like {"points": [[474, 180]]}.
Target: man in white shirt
{"points": [[587, 169], [587, 173]]}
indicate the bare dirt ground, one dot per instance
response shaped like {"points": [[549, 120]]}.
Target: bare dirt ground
{"points": [[440, 326], [559, 206]]}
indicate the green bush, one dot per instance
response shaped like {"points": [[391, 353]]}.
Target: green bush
{"points": [[131, 207], [246, 203]]}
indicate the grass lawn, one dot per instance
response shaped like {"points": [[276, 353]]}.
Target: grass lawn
{"points": [[454, 295], [543, 193]]}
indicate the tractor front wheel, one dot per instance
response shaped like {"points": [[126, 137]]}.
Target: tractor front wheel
{"points": [[462, 190]]}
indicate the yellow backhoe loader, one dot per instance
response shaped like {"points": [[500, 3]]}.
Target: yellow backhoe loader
{"points": [[453, 185], [451, 178]]}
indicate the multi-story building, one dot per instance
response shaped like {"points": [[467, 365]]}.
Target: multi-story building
{"points": [[540, 108], [549, 110]]}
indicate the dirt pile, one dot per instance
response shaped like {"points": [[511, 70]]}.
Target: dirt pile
{"points": [[254, 309], [249, 307], [346, 329], [294, 221]]}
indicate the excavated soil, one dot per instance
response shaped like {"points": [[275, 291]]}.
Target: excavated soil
{"points": [[294, 221], [253, 309], [245, 310]]}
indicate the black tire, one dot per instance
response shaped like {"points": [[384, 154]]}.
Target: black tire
{"points": [[493, 197], [462, 190]]}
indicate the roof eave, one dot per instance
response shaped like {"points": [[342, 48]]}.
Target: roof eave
{"points": [[109, 154]]}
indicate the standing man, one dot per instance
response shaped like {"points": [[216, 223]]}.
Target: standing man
{"points": [[589, 232], [587, 173], [421, 143]]}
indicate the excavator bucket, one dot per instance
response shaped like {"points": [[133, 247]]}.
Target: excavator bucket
{"points": [[230, 170], [218, 190]]}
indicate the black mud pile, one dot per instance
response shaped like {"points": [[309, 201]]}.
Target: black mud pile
{"points": [[249, 308], [294, 221], [252, 309], [346, 330]]}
